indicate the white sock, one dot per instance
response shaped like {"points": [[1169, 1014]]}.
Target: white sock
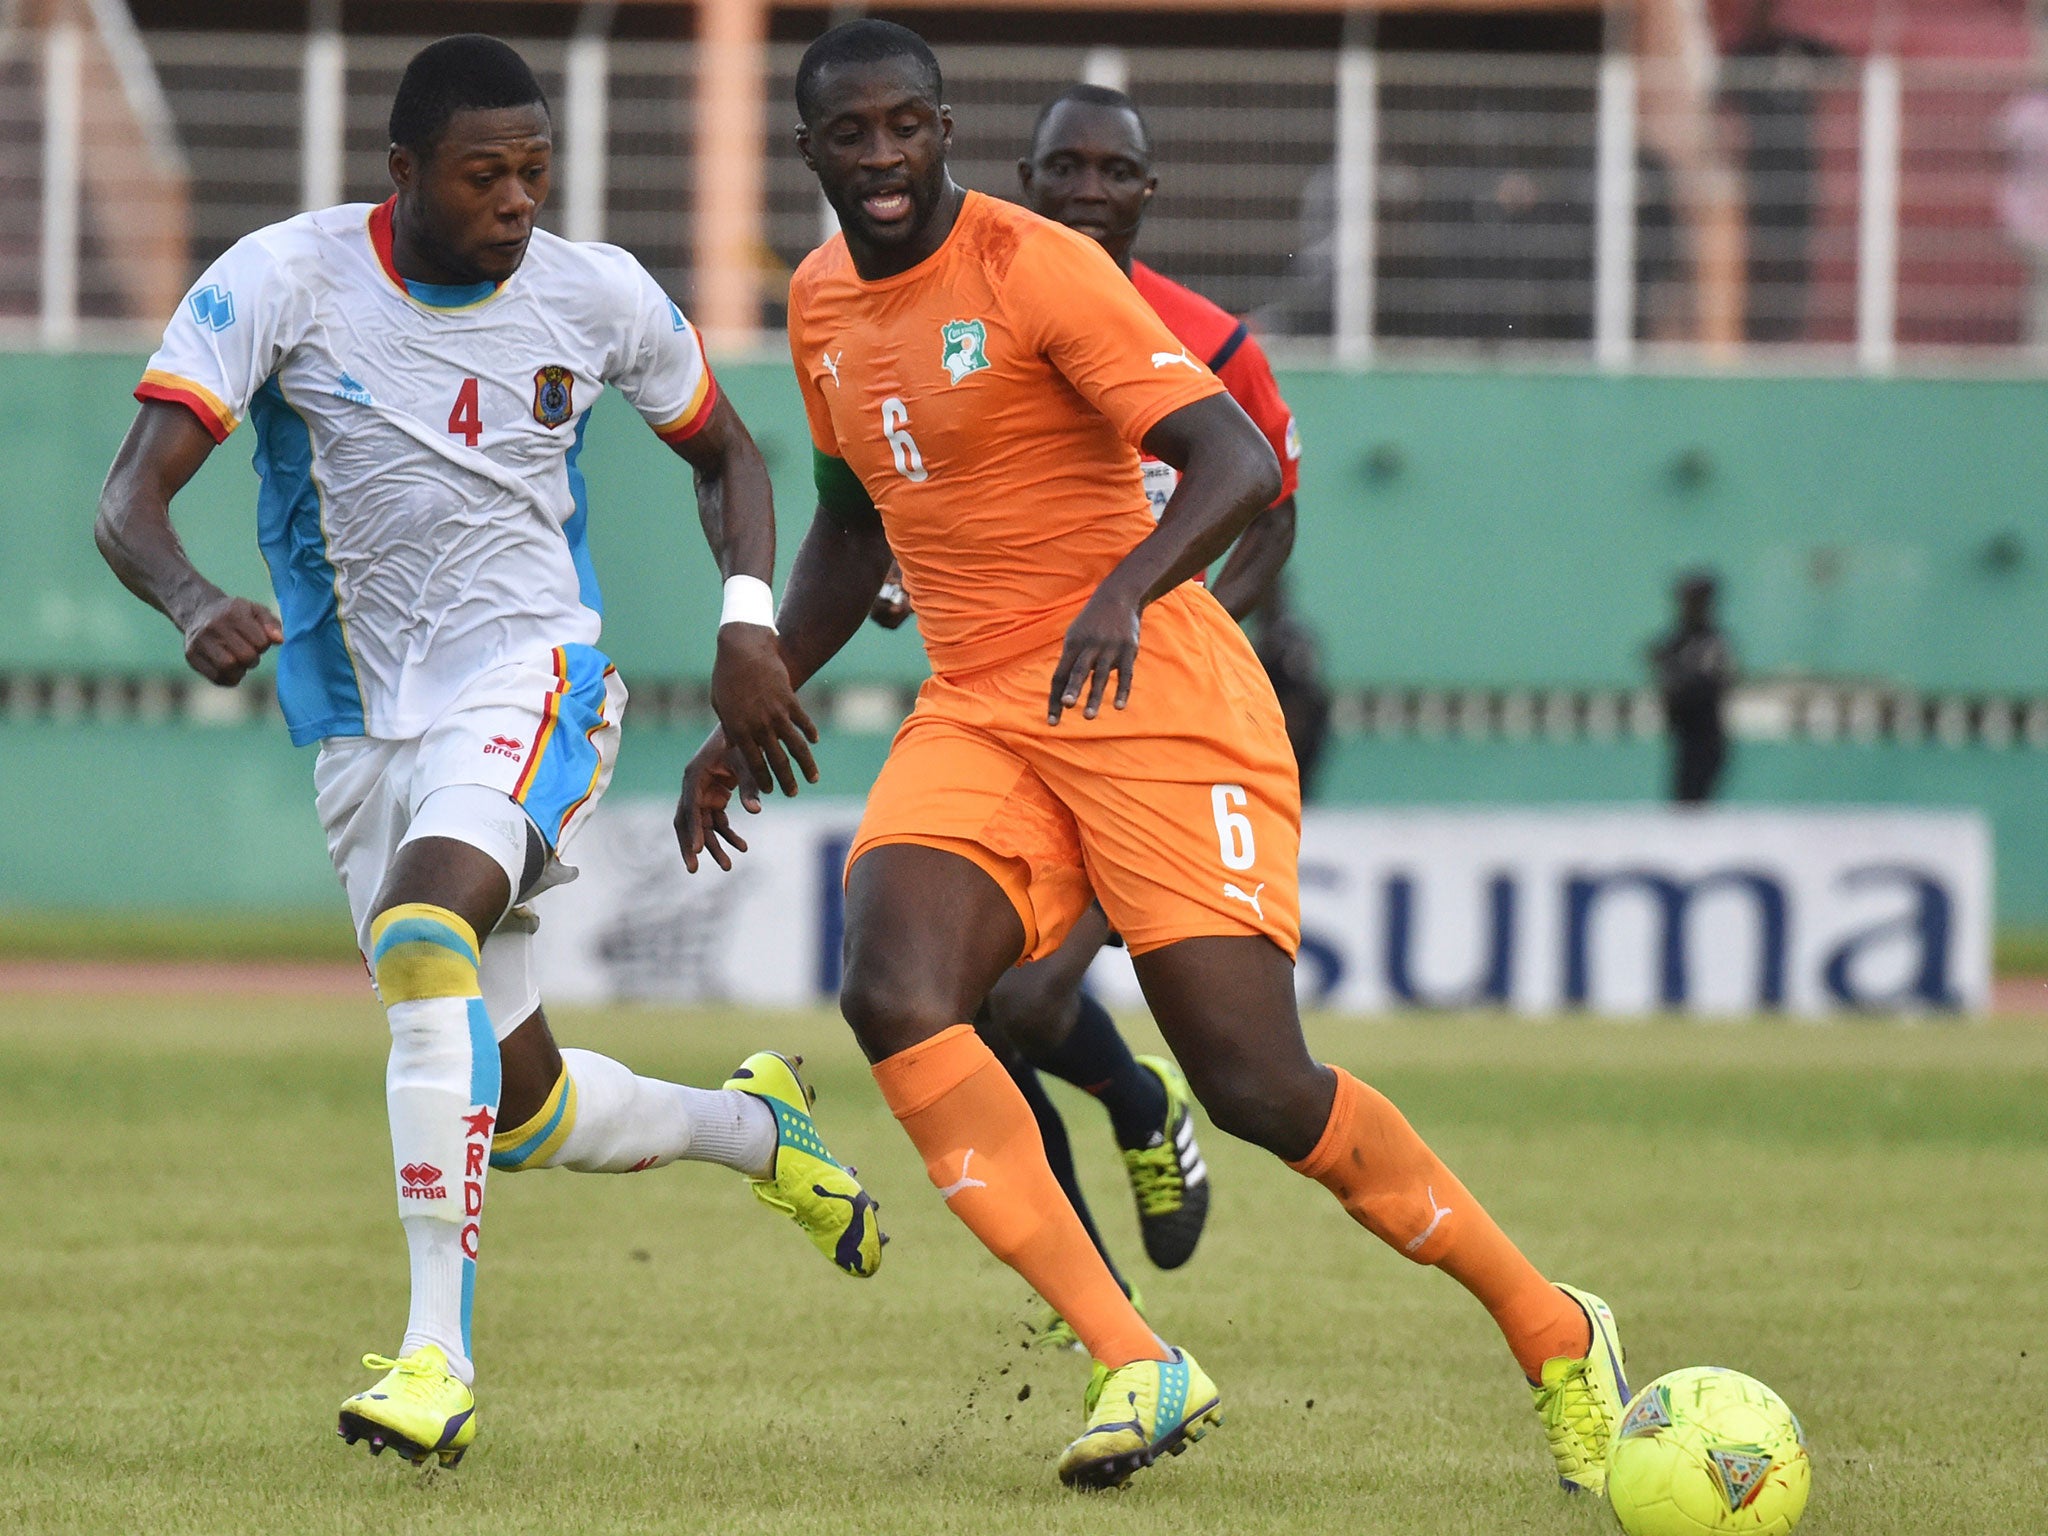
{"points": [[440, 1294], [441, 1089], [626, 1123]]}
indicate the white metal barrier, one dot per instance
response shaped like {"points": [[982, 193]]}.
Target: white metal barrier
{"points": [[1359, 203]]}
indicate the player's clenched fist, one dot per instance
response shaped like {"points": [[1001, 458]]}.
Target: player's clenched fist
{"points": [[225, 639], [1102, 640], [758, 709]]}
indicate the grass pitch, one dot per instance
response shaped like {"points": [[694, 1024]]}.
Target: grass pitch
{"points": [[196, 1241]]}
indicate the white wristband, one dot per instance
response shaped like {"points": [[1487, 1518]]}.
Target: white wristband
{"points": [[748, 601]]}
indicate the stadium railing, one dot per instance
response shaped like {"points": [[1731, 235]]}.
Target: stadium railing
{"points": [[1358, 203]]}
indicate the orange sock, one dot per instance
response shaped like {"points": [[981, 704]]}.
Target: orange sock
{"points": [[982, 1149], [1384, 1174]]}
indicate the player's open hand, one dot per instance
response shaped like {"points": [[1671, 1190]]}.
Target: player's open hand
{"points": [[227, 637], [714, 776], [758, 709], [1102, 640]]}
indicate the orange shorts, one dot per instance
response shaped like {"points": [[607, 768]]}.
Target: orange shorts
{"points": [[1181, 812]]}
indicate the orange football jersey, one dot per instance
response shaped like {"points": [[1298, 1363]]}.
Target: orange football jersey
{"points": [[991, 399]]}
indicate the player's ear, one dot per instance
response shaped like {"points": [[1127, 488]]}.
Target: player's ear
{"points": [[403, 167], [1151, 188], [945, 126], [1024, 175], [803, 145]]}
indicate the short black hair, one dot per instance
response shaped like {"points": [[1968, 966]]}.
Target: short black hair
{"points": [[468, 72], [863, 42], [1093, 96]]}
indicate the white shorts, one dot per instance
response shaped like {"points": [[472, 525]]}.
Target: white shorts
{"points": [[545, 735]]}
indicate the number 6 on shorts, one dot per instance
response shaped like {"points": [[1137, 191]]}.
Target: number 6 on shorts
{"points": [[1233, 829]]}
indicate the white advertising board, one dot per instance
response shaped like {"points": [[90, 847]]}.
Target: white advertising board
{"points": [[1613, 911]]}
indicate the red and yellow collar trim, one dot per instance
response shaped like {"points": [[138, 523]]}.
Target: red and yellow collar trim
{"points": [[433, 295]]}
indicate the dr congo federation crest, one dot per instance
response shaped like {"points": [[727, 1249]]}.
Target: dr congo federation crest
{"points": [[963, 347], [554, 395]]}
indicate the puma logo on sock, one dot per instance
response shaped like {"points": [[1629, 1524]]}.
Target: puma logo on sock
{"points": [[1437, 1220], [948, 1191]]}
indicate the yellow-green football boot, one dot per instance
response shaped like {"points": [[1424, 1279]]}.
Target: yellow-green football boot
{"points": [[809, 1185], [1138, 1413], [419, 1409], [1580, 1401]]}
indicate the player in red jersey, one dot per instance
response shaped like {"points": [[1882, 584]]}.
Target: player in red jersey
{"points": [[1090, 168]]}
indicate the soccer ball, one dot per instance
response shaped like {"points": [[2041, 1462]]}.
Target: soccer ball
{"points": [[1704, 1451]]}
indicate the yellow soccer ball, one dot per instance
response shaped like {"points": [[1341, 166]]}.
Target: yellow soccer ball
{"points": [[1705, 1451]]}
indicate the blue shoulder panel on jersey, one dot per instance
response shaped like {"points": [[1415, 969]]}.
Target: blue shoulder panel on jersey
{"points": [[577, 529], [316, 679]]}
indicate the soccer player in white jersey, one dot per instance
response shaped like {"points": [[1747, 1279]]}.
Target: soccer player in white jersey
{"points": [[419, 375]]}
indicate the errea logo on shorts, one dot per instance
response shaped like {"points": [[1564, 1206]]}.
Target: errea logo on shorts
{"points": [[504, 746]]}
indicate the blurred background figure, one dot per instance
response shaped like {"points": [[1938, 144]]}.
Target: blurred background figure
{"points": [[1293, 659], [1776, 96], [2023, 202], [1694, 668]]}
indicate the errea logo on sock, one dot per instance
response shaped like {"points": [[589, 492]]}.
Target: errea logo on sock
{"points": [[421, 1181]]}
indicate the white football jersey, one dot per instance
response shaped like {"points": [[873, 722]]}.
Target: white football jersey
{"points": [[421, 510]]}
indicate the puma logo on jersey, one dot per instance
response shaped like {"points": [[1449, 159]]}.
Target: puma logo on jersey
{"points": [[1251, 900], [1438, 1213], [948, 1191], [831, 363], [1168, 359]]}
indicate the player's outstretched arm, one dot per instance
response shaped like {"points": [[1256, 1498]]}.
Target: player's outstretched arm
{"points": [[1227, 475], [832, 584], [1256, 560], [224, 635], [751, 691]]}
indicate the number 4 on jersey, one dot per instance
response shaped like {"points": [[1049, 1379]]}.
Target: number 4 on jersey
{"points": [[466, 421]]}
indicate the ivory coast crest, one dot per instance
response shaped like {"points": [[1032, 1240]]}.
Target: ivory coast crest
{"points": [[963, 348], [554, 395]]}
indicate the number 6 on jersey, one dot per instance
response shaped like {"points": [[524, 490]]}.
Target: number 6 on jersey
{"points": [[896, 428], [1233, 828]]}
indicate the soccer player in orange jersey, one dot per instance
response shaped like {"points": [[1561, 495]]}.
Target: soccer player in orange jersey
{"points": [[979, 383], [1090, 168]]}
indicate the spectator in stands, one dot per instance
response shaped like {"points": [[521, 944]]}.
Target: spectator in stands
{"points": [[1776, 92], [2023, 202], [1694, 668]]}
